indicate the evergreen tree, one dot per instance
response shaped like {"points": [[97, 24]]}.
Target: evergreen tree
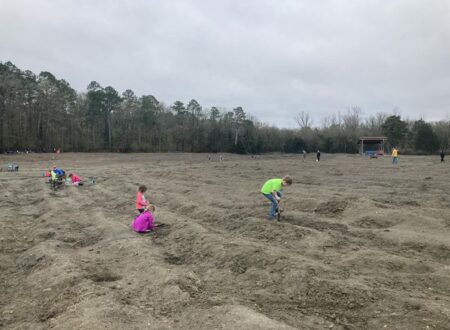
{"points": [[395, 130]]}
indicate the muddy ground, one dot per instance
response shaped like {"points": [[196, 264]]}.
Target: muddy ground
{"points": [[362, 244]]}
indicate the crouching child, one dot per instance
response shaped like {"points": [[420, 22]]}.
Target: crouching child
{"points": [[144, 222], [75, 179]]}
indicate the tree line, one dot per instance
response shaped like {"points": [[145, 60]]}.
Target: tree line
{"points": [[41, 112]]}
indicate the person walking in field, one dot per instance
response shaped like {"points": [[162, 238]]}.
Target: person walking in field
{"points": [[442, 155], [272, 191], [318, 156], [141, 201], [394, 156], [304, 154]]}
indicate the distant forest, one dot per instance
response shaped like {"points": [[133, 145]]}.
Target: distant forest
{"points": [[40, 113]]}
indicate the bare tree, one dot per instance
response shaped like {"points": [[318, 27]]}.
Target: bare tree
{"points": [[352, 119], [303, 119]]}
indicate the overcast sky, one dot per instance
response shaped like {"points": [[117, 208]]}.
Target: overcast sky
{"points": [[273, 58]]}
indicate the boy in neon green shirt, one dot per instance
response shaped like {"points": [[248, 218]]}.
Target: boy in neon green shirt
{"points": [[272, 191]]}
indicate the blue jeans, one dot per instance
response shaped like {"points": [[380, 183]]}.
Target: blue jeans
{"points": [[274, 206]]}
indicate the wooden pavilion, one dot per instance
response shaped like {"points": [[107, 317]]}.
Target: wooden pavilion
{"points": [[372, 145]]}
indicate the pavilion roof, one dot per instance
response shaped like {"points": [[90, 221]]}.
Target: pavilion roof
{"points": [[373, 138]]}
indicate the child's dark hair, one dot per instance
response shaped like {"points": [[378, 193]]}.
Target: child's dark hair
{"points": [[287, 179], [142, 188]]}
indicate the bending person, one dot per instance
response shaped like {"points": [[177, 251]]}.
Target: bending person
{"points": [[272, 191], [143, 223]]}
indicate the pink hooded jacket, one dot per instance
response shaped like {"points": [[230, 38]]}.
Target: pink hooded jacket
{"points": [[143, 222], [75, 178], [141, 202]]}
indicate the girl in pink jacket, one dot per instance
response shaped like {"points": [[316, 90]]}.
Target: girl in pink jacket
{"points": [[143, 223], [75, 179], [141, 201]]}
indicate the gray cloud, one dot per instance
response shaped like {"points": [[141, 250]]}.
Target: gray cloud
{"points": [[273, 58]]}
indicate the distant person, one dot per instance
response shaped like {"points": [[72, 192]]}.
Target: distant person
{"points": [[53, 175], [318, 156], [442, 155], [13, 167], [394, 156], [220, 158], [143, 223], [209, 157], [75, 179], [141, 201], [57, 173], [304, 154], [272, 191], [57, 177]]}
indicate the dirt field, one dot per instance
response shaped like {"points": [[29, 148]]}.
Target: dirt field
{"points": [[362, 245]]}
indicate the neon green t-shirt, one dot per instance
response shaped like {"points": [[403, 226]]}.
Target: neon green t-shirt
{"points": [[272, 185]]}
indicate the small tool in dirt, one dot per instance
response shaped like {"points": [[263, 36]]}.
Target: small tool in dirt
{"points": [[279, 210]]}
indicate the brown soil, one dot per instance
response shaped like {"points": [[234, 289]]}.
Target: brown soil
{"points": [[362, 244]]}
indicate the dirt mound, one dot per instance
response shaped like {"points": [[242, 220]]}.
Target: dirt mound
{"points": [[317, 224], [375, 222], [68, 259], [331, 208]]}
